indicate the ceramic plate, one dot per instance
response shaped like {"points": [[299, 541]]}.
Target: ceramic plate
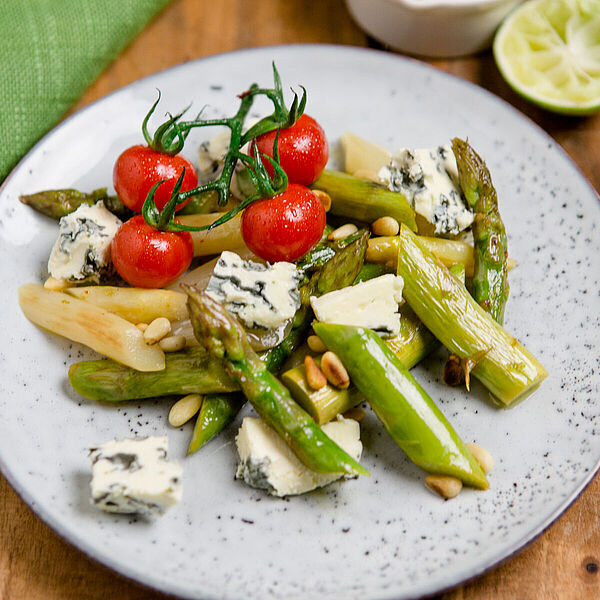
{"points": [[381, 537]]}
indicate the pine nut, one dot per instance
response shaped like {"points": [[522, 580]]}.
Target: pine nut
{"points": [[184, 409], [342, 232], [482, 456], [444, 485], [314, 376], [385, 226], [334, 370], [157, 330], [142, 326], [315, 343], [356, 413], [172, 343], [55, 285], [324, 198]]}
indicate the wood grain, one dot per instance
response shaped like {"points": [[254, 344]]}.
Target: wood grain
{"points": [[35, 564]]}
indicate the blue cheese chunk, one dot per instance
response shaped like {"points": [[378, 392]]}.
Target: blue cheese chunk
{"points": [[372, 304], [134, 476], [429, 181], [266, 461], [261, 296], [82, 250]]}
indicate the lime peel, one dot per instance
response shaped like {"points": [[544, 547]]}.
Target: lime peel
{"points": [[548, 51]]}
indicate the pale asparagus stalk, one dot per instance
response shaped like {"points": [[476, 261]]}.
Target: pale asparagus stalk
{"points": [[384, 250], [91, 325], [224, 237], [135, 305]]}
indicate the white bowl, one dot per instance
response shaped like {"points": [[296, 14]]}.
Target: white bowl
{"points": [[436, 28]]}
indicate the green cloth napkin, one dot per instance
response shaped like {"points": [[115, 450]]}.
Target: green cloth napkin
{"points": [[50, 52]]}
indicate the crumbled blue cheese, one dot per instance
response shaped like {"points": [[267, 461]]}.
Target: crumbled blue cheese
{"points": [[82, 249], [134, 476], [429, 181], [266, 461], [261, 296], [372, 304]]}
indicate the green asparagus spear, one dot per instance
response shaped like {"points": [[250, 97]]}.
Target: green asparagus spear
{"points": [[412, 344], [217, 411], [372, 270], [412, 419], [506, 368], [59, 203], [225, 338], [364, 200], [190, 371], [490, 280]]}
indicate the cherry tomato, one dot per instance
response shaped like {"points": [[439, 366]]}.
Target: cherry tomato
{"points": [[284, 227], [146, 257], [303, 150], [138, 168]]}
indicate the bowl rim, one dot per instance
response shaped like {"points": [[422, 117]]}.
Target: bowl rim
{"points": [[429, 5]]}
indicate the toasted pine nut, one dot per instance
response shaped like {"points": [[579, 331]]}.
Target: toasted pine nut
{"points": [[157, 330], [324, 198], [356, 413], [385, 226], [142, 326], [55, 285], [315, 343], [334, 370], [482, 456], [184, 409], [172, 343], [342, 232], [314, 376], [444, 485]]}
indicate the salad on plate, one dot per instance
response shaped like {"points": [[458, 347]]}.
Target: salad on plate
{"points": [[261, 276]]}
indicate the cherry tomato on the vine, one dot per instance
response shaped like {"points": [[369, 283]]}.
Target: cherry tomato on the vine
{"points": [[148, 258], [138, 168], [284, 227], [303, 150]]}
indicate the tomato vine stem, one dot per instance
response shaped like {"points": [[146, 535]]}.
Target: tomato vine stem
{"points": [[171, 135]]}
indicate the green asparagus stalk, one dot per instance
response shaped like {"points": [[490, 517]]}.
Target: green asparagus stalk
{"points": [[458, 270], [225, 338], [217, 411], [507, 368], [190, 371], [323, 404], [412, 344], [490, 280], [59, 203], [364, 200], [372, 270], [407, 412]]}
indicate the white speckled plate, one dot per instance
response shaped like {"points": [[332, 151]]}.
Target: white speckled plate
{"points": [[381, 537]]}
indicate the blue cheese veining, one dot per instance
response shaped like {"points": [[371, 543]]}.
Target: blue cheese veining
{"points": [[134, 476], [261, 296], [82, 249], [266, 461], [429, 180], [372, 304]]}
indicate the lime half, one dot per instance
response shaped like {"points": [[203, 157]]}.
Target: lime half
{"points": [[549, 52]]}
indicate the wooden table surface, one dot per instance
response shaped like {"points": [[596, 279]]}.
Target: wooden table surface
{"points": [[35, 564]]}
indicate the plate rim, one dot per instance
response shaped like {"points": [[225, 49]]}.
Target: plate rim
{"points": [[103, 558]]}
